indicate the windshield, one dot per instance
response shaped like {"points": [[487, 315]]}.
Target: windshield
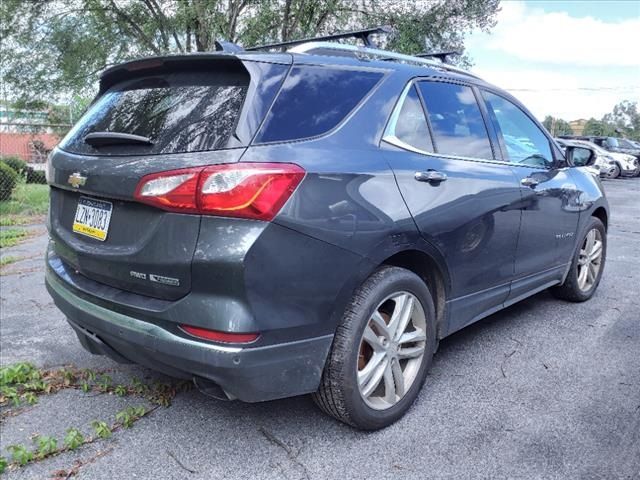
{"points": [[626, 144], [612, 142]]}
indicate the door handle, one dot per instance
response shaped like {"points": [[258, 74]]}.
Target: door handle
{"points": [[529, 182], [430, 176]]}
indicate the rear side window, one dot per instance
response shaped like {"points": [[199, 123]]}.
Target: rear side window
{"points": [[524, 141], [181, 112], [411, 126], [313, 100], [457, 124]]}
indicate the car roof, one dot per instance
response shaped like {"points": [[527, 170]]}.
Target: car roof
{"points": [[413, 67]]}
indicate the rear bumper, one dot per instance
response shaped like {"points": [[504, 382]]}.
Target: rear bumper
{"points": [[250, 374]]}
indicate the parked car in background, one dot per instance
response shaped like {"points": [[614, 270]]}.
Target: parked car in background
{"points": [[272, 224], [628, 163], [604, 165], [611, 144], [624, 165]]}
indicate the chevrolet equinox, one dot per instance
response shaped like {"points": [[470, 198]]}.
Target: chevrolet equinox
{"points": [[309, 221]]}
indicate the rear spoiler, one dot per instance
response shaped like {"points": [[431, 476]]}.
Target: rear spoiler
{"points": [[192, 61]]}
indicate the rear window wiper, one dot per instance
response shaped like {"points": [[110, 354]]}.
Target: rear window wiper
{"points": [[101, 139]]}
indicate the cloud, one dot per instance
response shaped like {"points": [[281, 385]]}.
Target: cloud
{"points": [[560, 65], [557, 94], [555, 37]]}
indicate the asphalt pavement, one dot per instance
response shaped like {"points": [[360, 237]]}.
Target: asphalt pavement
{"points": [[543, 390]]}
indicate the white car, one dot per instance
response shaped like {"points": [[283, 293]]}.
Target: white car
{"points": [[623, 164], [604, 165]]}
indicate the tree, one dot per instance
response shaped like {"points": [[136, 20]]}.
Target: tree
{"points": [[598, 127], [557, 126], [625, 118], [55, 49]]}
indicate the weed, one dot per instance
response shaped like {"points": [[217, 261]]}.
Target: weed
{"points": [[30, 397], [138, 387], [120, 390], [3, 464], [101, 428], [46, 446], [129, 415], [104, 383], [20, 454], [73, 439], [16, 373]]}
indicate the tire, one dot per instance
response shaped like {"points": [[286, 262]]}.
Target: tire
{"points": [[615, 173], [339, 394], [572, 289]]}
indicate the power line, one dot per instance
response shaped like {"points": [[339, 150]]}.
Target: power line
{"points": [[587, 89]]}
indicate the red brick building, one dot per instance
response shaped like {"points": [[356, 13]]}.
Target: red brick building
{"points": [[30, 147]]}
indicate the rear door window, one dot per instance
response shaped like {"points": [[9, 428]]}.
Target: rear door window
{"points": [[524, 141], [456, 122], [313, 100], [181, 112]]}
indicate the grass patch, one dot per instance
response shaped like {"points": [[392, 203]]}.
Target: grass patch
{"points": [[16, 220], [7, 260], [27, 200], [11, 237]]}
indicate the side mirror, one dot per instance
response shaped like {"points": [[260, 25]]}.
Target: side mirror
{"points": [[580, 156]]}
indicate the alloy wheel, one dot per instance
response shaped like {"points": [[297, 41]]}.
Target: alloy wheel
{"points": [[590, 259], [391, 350]]}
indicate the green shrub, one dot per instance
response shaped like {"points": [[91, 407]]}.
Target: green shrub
{"points": [[36, 176], [8, 180], [18, 165]]}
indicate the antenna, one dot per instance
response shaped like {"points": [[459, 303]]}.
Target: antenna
{"points": [[364, 35]]}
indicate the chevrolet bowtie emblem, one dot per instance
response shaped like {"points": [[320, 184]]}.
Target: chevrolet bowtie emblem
{"points": [[76, 180]]}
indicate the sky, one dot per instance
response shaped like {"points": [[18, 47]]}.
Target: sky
{"points": [[567, 58]]}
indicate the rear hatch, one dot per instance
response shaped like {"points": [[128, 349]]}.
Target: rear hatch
{"points": [[151, 116]]}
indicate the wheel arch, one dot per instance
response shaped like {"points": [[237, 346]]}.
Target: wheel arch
{"points": [[602, 215], [432, 273]]}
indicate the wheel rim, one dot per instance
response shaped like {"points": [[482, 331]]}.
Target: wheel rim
{"points": [[615, 172], [391, 350], [590, 260]]}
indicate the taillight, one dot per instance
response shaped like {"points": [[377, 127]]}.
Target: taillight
{"points": [[245, 190], [218, 336]]}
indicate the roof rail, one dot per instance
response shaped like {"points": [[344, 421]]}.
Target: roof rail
{"points": [[442, 56], [320, 47], [364, 35]]}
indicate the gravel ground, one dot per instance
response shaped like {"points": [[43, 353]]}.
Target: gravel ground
{"points": [[545, 389]]}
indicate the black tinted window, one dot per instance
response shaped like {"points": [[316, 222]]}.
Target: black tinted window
{"points": [[411, 126], [524, 141], [313, 100], [456, 121], [177, 112]]}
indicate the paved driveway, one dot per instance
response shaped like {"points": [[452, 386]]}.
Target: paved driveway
{"points": [[545, 389]]}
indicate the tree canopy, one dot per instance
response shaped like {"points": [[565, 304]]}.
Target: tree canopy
{"points": [[55, 49], [622, 121], [557, 126]]}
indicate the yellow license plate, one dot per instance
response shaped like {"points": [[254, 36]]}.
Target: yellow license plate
{"points": [[92, 218]]}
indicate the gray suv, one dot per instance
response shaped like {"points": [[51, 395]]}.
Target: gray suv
{"points": [[309, 221]]}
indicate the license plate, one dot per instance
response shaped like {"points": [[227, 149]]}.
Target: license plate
{"points": [[92, 218]]}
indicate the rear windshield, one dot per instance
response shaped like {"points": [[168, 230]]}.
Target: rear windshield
{"points": [[180, 112], [313, 100]]}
